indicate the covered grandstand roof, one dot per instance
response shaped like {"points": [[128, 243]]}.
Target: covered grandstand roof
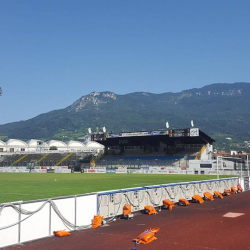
{"points": [[185, 136]]}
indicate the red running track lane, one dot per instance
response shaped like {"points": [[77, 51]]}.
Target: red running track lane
{"points": [[196, 227]]}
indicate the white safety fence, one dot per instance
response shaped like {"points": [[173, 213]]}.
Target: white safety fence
{"points": [[111, 203], [26, 221]]}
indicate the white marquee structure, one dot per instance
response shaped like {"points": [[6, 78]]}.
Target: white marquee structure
{"points": [[33, 146], [60, 145], [76, 145], [94, 145], [37, 145], [2, 146], [13, 145]]}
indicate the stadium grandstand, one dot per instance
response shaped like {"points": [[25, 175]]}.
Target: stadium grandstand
{"points": [[37, 153], [186, 151], [154, 148]]}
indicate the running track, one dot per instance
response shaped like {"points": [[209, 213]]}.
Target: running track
{"points": [[196, 227]]}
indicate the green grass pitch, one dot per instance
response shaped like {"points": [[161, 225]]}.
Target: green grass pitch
{"points": [[26, 186]]}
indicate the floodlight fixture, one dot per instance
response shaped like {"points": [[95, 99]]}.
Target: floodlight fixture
{"points": [[192, 123]]}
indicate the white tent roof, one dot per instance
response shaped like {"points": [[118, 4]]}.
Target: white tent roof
{"points": [[35, 143], [16, 142], [77, 144], [94, 145], [56, 143]]}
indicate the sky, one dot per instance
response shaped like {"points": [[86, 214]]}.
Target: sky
{"points": [[52, 52]]}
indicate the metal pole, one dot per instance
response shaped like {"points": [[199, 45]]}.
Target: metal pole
{"points": [[49, 219], [75, 212], [241, 170], [247, 167], [217, 164], [19, 225]]}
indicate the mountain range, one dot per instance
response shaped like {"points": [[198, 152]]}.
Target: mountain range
{"points": [[221, 110]]}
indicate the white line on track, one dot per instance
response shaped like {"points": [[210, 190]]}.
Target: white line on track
{"points": [[232, 215]]}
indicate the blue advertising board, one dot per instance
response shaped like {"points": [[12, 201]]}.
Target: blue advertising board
{"points": [[110, 171]]}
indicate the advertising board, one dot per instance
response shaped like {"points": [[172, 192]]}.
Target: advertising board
{"points": [[143, 133], [179, 132], [64, 167], [66, 171], [50, 170], [95, 171], [163, 170], [100, 168], [154, 169], [173, 172], [194, 132], [90, 170], [205, 165], [246, 183], [122, 167], [110, 171], [121, 171]]}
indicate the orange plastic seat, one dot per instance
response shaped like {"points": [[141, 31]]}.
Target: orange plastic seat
{"points": [[233, 190], [197, 199], [147, 236], [150, 210], [208, 196], [217, 194], [61, 233], [183, 202], [97, 221], [227, 192], [168, 204], [127, 210], [239, 188]]}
